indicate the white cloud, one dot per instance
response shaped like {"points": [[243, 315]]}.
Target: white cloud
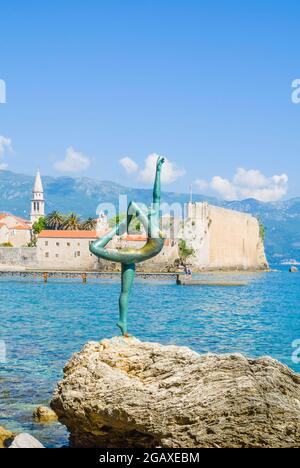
{"points": [[225, 188], [5, 146], [170, 172], [251, 178], [248, 184], [73, 162], [129, 165]]}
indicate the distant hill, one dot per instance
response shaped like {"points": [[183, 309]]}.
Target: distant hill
{"points": [[83, 195]]}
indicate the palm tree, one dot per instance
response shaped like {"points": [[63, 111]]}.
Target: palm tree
{"points": [[71, 223], [89, 225], [55, 220]]}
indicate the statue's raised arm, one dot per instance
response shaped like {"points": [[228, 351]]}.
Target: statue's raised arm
{"points": [[157, 183]]}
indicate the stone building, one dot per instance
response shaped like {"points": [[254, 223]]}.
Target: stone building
{"points": [[14, 230], [69, 250], [66, 250], [17, 231]]}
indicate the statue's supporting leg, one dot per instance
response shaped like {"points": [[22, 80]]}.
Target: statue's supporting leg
{"points": [[128, 273]]}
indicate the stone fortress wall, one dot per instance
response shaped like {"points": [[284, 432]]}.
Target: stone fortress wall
{"points": [[223, 239], [18, 258]]}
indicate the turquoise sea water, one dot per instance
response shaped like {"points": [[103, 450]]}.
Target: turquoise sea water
{"points": [[43, 324]]}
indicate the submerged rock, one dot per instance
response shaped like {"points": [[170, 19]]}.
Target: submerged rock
{"points": [[5, 437], [26, 441], [127, 393], [44, 415]]}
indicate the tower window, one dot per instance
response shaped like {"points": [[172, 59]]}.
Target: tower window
{"points": [[57, 244], [46, 243], [47, 254]]}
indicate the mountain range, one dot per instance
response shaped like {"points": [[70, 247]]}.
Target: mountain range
{"points": [[82, 195]]}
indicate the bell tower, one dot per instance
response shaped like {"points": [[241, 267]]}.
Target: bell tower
{"points": [[37, 201]]}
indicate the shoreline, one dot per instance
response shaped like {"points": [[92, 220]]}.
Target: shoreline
{"points": [[85, 276], [141, 272]]}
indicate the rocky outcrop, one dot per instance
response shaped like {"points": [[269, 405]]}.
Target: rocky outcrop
{"points": [[26, 441], [10, 440], [294, 269], [6, 437], [127, 393], [44, 415]]}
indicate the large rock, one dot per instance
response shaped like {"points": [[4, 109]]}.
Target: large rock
{"points": [[5, 437], [126, 393], [26, 441], [44, 415]]}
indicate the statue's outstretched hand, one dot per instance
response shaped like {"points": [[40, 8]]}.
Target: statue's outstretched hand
{"points": [[159, 163]]}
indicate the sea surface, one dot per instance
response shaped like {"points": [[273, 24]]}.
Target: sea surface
{"points": [[42, 325]]}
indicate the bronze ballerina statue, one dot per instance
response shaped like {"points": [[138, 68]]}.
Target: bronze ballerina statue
{"points": [[129, 257]]}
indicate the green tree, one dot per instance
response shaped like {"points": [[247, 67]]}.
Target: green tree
{"points": [[134, 226], [55, 220], [116, 219], [89, 225], [262, 231], [138, 226], [39, 226], [33, 242], [71, 223], [6, 244], [184, 250]]}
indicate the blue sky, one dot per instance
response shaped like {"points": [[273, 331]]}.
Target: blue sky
{"points": [[206, 84]]}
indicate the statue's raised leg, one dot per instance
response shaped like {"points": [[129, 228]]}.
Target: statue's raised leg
{"points": [[127, 278]]}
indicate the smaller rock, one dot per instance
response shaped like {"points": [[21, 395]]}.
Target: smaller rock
{"points": [[5, 437], [44, 415], [26, 441], [294, 269]]}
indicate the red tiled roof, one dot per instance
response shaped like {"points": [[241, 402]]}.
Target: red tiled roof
{"points": [[52, 234], [5, 215], [139, 238], [21, 228], [134, 237], [69, 234], [19, 221]]}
